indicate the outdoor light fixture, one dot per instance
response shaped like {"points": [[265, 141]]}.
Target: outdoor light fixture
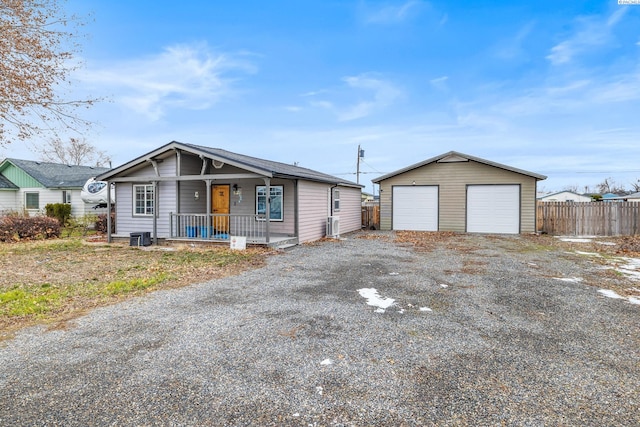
{"points": [[237, 190]]}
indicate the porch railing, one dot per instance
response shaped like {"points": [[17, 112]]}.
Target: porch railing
{"points": [[217, 226]]}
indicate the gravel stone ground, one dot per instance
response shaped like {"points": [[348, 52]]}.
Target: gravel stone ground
{"points": [[481, 332]]}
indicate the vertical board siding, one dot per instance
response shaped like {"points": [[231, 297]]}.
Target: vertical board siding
{"points": [[453, 178], [589, 218]]}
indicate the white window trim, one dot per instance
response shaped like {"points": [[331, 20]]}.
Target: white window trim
{"points": [[281, 187], [146, 214], [25, 200], [66, 195], [336, 198]]}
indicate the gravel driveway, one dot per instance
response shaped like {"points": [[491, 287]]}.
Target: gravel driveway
{"points": [[481, 332]]}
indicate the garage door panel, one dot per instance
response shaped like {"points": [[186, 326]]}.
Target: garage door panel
{"points": [[493, 209], [415, 208]]}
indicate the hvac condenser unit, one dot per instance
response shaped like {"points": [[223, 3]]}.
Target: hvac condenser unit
{"points": [[333, 226]]}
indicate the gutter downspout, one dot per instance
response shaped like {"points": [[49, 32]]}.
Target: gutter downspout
{"points": [[296, 210]]}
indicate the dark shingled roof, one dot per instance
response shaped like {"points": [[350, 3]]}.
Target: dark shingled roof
{"points": [[261, 166], [6, 184], [278, 169], [56, 175]]}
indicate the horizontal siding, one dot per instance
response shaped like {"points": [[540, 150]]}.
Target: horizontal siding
{"points": [[9, 201], [453, 179], [350, 209], [313, 211]]}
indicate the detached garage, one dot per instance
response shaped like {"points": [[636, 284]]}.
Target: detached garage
{"points": [[458, 192]]}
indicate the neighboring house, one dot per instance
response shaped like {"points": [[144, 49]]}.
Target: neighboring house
{"points": [[458, 192], [185, 191], [610, 197], [565, 196], [635, 197], [27, 185]]}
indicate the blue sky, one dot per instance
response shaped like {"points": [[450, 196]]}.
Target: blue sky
{"points": [[552, 87]]}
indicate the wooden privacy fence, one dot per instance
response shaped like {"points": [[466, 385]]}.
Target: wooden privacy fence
{"points": [[589, 219], [370, 215]]}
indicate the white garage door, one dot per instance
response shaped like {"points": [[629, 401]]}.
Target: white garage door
{"points": [[493, 209], [415, 208]]}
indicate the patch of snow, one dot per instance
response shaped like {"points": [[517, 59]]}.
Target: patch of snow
{"points": [[595, 254], [425, 309], [606, 243], [442, 285], [610, 294], [327, 362], [575, 239], [394, 274], [631, 268], [319, 390], [296, 415], [634, 300], [375, 300], [569, 279], [401, 311]]}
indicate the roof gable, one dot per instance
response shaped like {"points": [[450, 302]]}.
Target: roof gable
{"points": [[5, 184], [267, 168], [29, 173], [455, 157]]}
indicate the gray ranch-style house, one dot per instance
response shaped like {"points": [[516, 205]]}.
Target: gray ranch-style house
{"points": [[461, 193], [189, 192]]}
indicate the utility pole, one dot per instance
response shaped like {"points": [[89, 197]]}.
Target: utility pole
{"points": [[360, 156]]}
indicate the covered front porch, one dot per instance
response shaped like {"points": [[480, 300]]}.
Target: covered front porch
{"points": [[221, 227]]}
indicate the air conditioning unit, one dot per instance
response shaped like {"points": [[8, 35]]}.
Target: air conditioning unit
{"points": [[333, 226]]}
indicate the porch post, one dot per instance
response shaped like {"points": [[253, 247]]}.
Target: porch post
{"points": [[156, 211], [267, 182], [108, 212], [208, 221]]}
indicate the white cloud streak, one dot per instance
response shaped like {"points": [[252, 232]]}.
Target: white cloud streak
{"points": [[592, 32], [188, 77], [391, 14]]}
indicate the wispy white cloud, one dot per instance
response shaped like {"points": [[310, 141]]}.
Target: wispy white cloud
{"points": [[390, 13], [512, 48], [591, 32], [383, 92], [440, 82], [182, 76]]}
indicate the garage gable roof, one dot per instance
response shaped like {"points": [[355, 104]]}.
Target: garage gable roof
{"points": [[454, 156], [263, 167]]}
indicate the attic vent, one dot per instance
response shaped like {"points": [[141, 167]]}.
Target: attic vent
{"points": [[453, 159], [217, 164]]}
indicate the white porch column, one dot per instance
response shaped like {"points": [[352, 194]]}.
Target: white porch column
{"points": [[267, 183]]}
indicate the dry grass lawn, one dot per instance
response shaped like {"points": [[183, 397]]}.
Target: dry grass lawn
{"points": [[56, 280]]}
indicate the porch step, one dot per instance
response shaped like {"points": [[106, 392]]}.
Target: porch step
{"points": [[284, 244]]}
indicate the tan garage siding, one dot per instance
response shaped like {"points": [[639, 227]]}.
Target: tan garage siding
{"points": [[453, 178]]}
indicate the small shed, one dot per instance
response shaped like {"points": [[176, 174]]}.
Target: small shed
{"points": [[459, 192]]}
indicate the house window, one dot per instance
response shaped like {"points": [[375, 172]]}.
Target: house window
{"points": [[277, 192], [32, 201], [66, 197], [336, 200], [143, 199]]}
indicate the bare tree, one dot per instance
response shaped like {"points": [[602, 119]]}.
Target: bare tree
{"points": [[37, 43], [77, 151], [609, 186], [636, 185]]}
